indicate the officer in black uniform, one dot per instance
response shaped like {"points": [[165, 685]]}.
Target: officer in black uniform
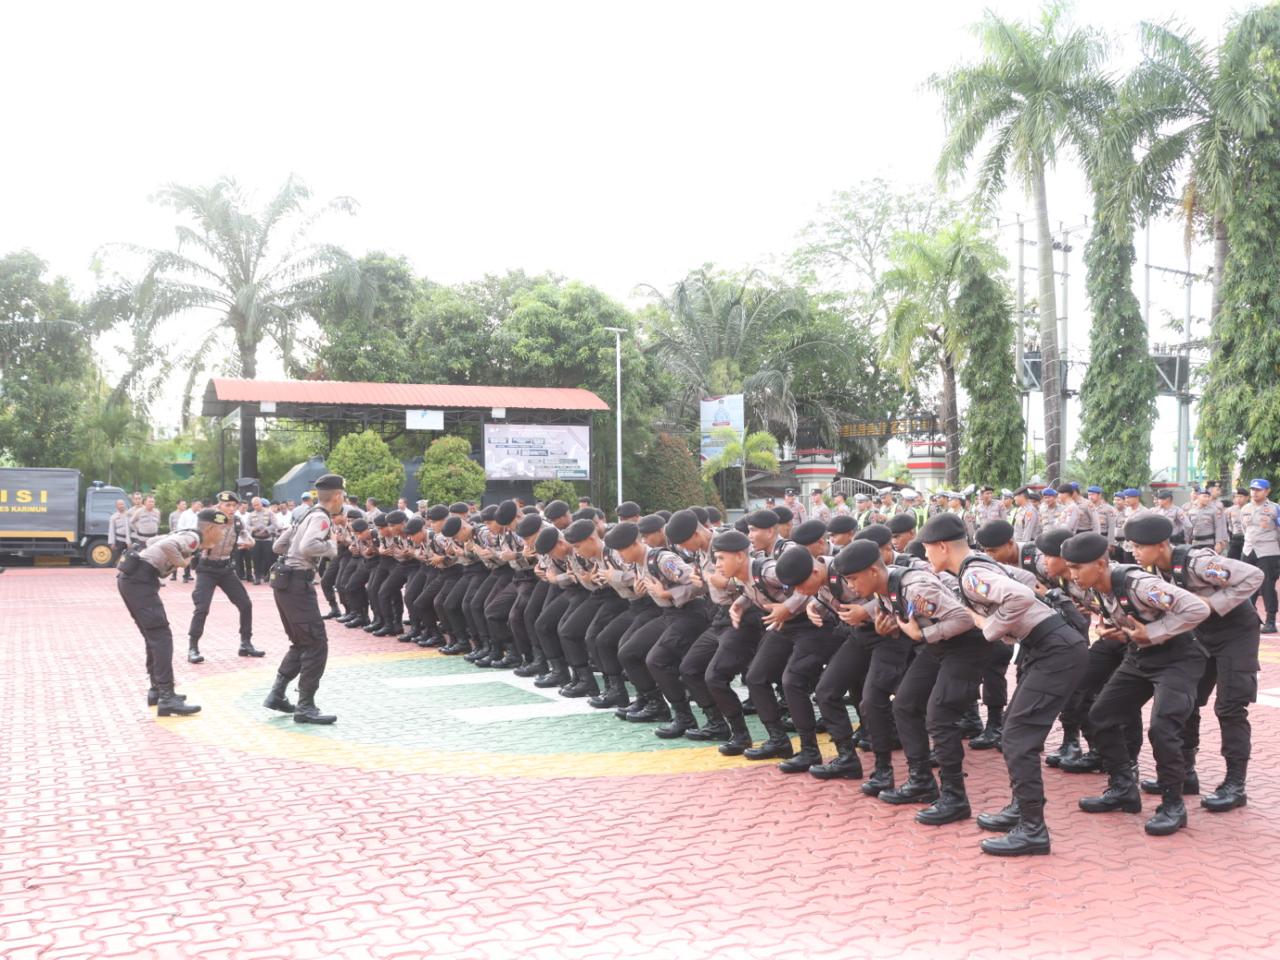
{"points": [[301, 548], [217, 571]]}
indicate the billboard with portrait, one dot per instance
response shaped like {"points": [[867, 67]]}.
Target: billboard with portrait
{"points": [[717, 414]]}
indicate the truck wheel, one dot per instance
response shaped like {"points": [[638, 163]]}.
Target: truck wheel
{"points": [[98, 554]]}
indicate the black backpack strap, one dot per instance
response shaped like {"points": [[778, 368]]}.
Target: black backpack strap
{"points": [[1028, 556], [897, 596], [1120, 587], [1180, 557]]}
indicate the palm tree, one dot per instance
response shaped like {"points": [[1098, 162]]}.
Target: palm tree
{"points": [[1030, 96], [753, 450], [253, 270], [921, 288]]}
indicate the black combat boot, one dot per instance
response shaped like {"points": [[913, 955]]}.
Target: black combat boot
{"points": [[358, 622], [333, 614], [844, 765], [193, 652], [881, 778], [508, 662], [584, 686], [455, 646], [492, 656], [1171, 815], [1088, 762], [307, 712], [479, 652], [153, 696], [1190, 779], [716, 727], [919, 788], [347, 617], [374, 625], [1004, 821], [971, 722], [1121, 794], [247, 649], [169, 704], [989, 739], [278, 698], [436, 639], [1230, 793], [1070, 748], [614, 695], [533, 668], [1029, 838], [806, 758], [952, 803], [557, 675], [739, 740], [776, 747], [653, 708], [682, 719]]}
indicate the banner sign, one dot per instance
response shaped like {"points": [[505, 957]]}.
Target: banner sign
{"points": [[889, 428], [718, 413], [529, 451], [424, 419]]}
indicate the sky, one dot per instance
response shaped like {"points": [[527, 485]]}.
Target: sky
{"points": [[617, 143]]}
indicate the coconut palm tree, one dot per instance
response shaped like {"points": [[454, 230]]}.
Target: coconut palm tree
{"points": [[753, 450], [252, 273], [1027, 100]]}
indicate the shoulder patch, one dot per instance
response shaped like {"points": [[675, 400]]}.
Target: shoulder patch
{"points": [[324, 524], [1159, 597], [975, 583], [1213, 569]]}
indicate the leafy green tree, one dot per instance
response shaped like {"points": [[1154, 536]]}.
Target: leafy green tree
{"points": [[993, 427], [1030, 96], [369, 466], [253, 270], [448, 473], [365, 327], [670, 480], [741, 453], [548, 490]]}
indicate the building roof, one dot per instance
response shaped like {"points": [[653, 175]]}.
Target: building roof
{"points": [[223, 395]]}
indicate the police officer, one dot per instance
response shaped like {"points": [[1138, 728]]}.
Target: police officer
{"points": [[1206, 521], [1026, 518], [146, 521], [1229, 635], [215, 571], [301, 548], [138, 581], [1165, 508], [119, 532], [260, 523], [1260, 519], [1235, 524], [1104, 512]]}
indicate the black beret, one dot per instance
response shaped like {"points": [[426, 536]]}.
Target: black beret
{"points": [[506, 512], [438, 512], [995, 533], [354, 513], [1163, 495], [701, 514], [380, 520], [547, 540], [664, 514], [842, 523], [622, 536], [877, 533], [1147, 528], [212, 515], [714, 515], [811, 531], [489, 512], [741, 525], [452, 526], [1242, 491], [856, 557], [1034, 496], [555, 509], [397, 516], [414, 525], [650, 523], [1050, 542], [762, 519], [229, 496], [942, 528], [530, 509], [459, 508], [330, 481], [584, 499], [1085, 547], [528, 525], [794, 566], [682, 525], [579, 530], [915, 549], [359, 524], [783, 514], [902, 523], [586, 513], [628, 508], [731, 541]]}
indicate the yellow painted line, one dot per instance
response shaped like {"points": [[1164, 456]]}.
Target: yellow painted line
{"points": [[40, 534], [223, 723]]}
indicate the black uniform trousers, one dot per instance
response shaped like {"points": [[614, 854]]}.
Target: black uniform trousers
{"points": [[611, 608], [391, 596], [455, 601], [574, 623], [734, 654], [532, 610], [608, 640], [995, 682], [814, 648], [1054, 661], [475, 602], [634, 647], [308, 643], [554, 605], [362, 568], [846, 670], [693, 666], [431, 600], [497, 605], [1235, 546], [140, 591], [1270, 567], [523, 584], [1167, 674], [767, 666], [1231, 641], [937, 689], [1103, 659], [889, 659], [373, 586], [681, 627], [332, 573], [418, 576], [219, 574], [259, 564]]}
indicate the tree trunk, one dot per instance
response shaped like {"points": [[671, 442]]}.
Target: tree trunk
{"points": [[744, 485], [1220, 250], [950, 420], [1050, 379], [248, 418]]}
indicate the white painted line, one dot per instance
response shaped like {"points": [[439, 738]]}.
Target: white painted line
{"points": [[524, 711]]}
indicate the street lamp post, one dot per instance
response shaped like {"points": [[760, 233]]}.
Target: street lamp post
{"points": [[617, 408]]}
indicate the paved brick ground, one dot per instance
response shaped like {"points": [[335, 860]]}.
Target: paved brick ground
{"points": [[413, 828]]}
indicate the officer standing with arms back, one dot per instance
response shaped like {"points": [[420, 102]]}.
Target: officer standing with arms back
{"points": [[301, 548], [1261, 546]]}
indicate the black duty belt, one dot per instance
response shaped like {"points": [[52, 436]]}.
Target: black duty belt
{"points": [[1044, 628], [206, 562]]}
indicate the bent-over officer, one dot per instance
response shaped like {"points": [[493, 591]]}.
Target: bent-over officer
{"points": [[301, 548]]}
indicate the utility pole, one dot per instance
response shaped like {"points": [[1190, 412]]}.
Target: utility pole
{"points": [[617, 408]]}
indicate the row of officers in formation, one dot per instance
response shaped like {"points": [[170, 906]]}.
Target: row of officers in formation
{"points": [[910, 620]]}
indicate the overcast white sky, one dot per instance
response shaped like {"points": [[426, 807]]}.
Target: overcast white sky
{"points": [[615, 143]]}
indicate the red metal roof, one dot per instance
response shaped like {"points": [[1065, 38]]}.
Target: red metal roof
{"points": [[411, 395]]}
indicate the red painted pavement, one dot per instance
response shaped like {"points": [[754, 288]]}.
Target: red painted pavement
{"points": [[122, 839]]}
